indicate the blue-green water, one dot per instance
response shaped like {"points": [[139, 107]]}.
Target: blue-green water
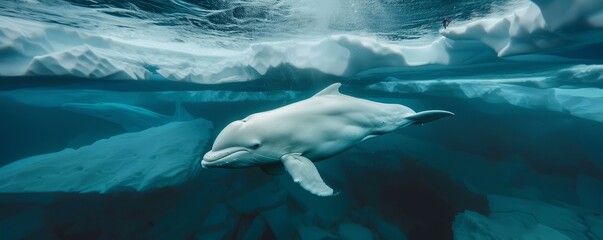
{"points": [[107, 108]]}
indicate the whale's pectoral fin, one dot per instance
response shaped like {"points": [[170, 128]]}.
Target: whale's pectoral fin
{"points": [[274, 169], [303, 171], [428, 116]]}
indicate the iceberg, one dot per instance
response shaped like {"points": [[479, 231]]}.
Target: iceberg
{"points": [[157, 157], [535, 33], [34, 49]]}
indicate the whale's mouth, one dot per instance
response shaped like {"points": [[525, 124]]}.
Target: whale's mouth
{"points": [[212, 159]]}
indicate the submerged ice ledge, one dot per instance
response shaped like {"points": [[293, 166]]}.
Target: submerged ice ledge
{"points": [[585, 103], [513, 218], [30, 48], [41, 97], [130, 161]]}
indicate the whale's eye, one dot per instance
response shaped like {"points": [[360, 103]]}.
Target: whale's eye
{"points": [[255, 146]]}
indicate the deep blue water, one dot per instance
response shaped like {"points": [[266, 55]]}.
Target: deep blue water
{"points": [[108, 107]]}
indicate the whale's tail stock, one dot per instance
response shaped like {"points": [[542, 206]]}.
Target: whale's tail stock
{"points": [[428, 116]]}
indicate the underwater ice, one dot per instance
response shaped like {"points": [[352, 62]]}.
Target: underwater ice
{"points": [[158, 157], [131, 118], [554, 93], [521, 159], [512, 218], [41, 97]]}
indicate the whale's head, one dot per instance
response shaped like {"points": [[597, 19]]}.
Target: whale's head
{"points": [[241, 144]]}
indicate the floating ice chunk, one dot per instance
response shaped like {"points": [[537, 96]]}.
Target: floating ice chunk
{"points": [[513, 218], [574, 20], [553, 216], [526, 31], [30, 48], [581, 74], [85, 63], [157, 157], [551, 26], [339, 55], [585, 102], [211, 75], [131, 118], [543, 25], [472, 225], [326, 56]]}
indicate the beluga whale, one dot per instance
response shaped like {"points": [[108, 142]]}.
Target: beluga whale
{"points": [[291, 138]]}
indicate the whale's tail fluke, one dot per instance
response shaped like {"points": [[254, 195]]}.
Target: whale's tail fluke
{"points": [[428, 116]]}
